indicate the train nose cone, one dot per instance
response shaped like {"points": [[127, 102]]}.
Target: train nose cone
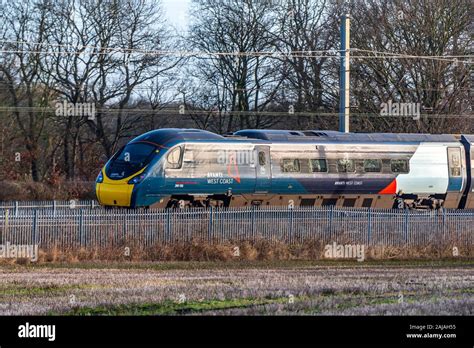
{"points": [[119, 194]]}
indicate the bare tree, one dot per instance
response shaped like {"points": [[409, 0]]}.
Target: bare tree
{"points": [[24, 32], [308, 30], [241, 79], [113, 48], [422, 28]]}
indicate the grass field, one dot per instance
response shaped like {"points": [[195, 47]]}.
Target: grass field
{"points": [[240, 288]]}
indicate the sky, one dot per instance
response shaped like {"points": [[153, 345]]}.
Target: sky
{"points": [[177, 12]]}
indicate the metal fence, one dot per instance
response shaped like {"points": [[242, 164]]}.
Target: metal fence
{"points": [[72, 228], [18, 207]]}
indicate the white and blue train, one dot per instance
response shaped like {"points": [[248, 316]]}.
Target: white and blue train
{"points": [[191, 167]]}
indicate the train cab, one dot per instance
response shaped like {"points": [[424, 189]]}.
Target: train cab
{"points": [[134, 175]]}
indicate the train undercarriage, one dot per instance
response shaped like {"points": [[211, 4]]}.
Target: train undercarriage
{"points": [[401, 201]]}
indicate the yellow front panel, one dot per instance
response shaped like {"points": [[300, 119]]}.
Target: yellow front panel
{"points": [[118, 195], [115, 192]]}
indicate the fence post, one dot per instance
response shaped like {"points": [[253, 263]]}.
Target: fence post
{"points": [[168, 224], [369, 227], [444, 223], [16, 208], [54, 208], [331, 210], [209, 227], [290, 237], [406, 226], [81, 232], [35, 226], [5, 232], [252, 220]]}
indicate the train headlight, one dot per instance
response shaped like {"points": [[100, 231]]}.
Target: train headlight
{"points": [[100, 178], [136, 179]]}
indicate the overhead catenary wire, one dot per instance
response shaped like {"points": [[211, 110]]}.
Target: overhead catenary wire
{"points": [[248, 54], [79, 49], [138, 50], [328, 53], [404, 54], [6, 85]]}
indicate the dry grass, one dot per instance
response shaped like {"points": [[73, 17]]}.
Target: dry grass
{"points": [[61, 190], [259, 250], [311, 289]]}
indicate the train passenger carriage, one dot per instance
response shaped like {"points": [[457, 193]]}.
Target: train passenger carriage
{"points": [[190, 167]]}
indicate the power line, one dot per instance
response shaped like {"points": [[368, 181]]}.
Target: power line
{"points": [[138, 50], [328, 53], [107, 50], [245, 54], [185, 54], [125, 49], [404, 54], [449, 89]]}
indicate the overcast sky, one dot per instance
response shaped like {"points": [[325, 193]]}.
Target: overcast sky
{"points": [[177, 12]]}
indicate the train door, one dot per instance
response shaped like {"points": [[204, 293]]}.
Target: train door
{"points": [[173, 168], [467, 200], [263, 178], [455, 169]]}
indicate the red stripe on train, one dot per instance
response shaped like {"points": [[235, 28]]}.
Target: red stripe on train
{"points": [[390, 189]]}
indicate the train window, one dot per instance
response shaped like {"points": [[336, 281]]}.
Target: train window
{"points": [[308, 202], [399, 166], [318, 165], [367, 202], [328, 202], [135, 153], [345, 166], [372, 166], [454, 156], [174, 158], [129, 160], [290, 165], [349, 202], [261, 158]]}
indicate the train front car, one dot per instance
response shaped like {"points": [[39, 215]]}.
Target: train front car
{"points": [[134, 176], [119, 180]]}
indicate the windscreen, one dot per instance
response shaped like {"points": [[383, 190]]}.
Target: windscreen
{"points": [[130, 160]]}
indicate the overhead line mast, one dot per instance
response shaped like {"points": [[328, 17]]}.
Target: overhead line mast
{"points": [[344, 79]]}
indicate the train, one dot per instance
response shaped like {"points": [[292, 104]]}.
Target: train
{"points": [[178, 168]]}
